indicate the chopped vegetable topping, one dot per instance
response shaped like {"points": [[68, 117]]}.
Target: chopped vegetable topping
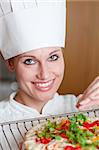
{"points": [[77, 132]]}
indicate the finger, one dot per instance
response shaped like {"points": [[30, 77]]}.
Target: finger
{"points": [[87, 103], [83, 102], [92, 104], [96, 80], [94, 97], [82, 108], [79, 98], [93, 93], [94, 85]]}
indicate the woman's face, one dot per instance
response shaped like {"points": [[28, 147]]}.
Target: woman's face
{"points": [[39, 73]]}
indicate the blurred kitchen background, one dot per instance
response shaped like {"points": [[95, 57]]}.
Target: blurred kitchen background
{"points": [[81, 52]]}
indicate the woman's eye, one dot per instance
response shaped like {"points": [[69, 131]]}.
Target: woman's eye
{"points": [[29, 62], [53, 57]]}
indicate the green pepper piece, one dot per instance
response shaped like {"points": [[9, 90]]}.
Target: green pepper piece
{"points": [[73, 127], [73, 120], [88, 134], [81, 118], [57, 137]]}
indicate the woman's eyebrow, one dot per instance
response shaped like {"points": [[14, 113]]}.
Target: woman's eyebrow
{"points": [[22, 56], [54, 51], [26, 56]]}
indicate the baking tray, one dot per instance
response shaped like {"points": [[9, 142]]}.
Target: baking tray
{"points": [[12, 133]]}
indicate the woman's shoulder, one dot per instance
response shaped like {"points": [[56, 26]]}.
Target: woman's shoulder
{"points": [[5, 102]]}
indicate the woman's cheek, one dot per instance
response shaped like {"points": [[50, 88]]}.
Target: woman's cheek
{"points": [[22, 73], [60, 68]]}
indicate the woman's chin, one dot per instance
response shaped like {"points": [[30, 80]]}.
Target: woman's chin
{"points": [[46, 97]]}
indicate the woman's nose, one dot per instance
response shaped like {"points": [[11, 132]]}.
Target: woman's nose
{"points": [[43, 73]]}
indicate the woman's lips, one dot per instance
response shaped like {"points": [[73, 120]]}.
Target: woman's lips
{"points": [[44, 86]]}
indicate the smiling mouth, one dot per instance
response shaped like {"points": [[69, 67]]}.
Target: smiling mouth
{"points": [[43, 86]]}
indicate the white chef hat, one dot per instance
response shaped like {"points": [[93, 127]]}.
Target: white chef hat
{"points": [[30, 24]]}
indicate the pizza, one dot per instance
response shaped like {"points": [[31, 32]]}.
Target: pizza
{"points": [[76, 133]]}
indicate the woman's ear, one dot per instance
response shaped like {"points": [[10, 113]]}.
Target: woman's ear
{"points": [[10, 64]]}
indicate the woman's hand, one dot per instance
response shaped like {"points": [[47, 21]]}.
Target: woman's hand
{"points": [[90, 97]]}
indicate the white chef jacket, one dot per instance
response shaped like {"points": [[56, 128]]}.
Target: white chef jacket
{"points": [[11, 110]]}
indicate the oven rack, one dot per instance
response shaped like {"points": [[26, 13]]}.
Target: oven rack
{"points": [[12, 133]]}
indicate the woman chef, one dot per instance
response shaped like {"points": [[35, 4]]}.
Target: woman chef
{"points": [[32, 35]]}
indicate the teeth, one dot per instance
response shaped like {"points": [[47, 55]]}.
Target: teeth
{"points": [[43, 84]]}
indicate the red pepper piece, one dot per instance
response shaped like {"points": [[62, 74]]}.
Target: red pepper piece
{"points": [[89, 125], [72, 148], [78, 148], [91, 130], [69, 148], [97, 122], [44, 140], [49, 139], [65, 125], [63, 135]]}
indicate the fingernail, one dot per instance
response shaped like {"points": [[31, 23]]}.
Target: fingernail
{"points": [[85, 101], [78, 105]]}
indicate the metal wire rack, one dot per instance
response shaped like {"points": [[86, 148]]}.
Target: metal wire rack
{"points": [[12, 133]]}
